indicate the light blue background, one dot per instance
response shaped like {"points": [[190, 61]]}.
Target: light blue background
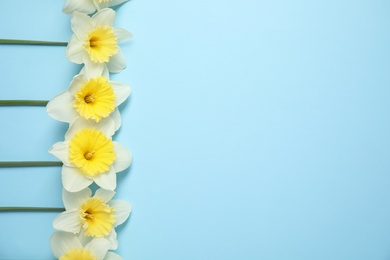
{"points": [[260, 129]]}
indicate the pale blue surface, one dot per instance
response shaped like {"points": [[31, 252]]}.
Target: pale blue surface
{"points": [[260, 129]]}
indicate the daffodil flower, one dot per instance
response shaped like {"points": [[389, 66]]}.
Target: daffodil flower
{"points": [[89, 155], [66, 246], [92, 217], [92, 99], [89, 6], [95, 42]]}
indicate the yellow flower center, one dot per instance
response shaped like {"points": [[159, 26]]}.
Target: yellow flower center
{"points": [[79, 254], [95, 99], [101, 44], [98, 218], [91, 151]]}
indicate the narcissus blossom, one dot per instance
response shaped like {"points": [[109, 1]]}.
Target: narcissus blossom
{"points": [[90, 98], [89, 155], [66, 246], [92, 217], [89, 6], [95, 42]]}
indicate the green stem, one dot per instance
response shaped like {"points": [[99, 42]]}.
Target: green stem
{"points": [[35, 209], [30, 164], [29, 42], [41, 103]]}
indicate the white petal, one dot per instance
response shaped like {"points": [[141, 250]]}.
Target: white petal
{"points": [[104, 17], [117, 62], [73, 116], [77, 82], [106, 125], [60, 107], [98, 247], [75, 50], [61, 150], [106, 180], [68, 221], [117, 2], [111, 3], [113, 240], [78, 125], [122, 35], [92, 69], [61, 242], [112, 256], [105, 73], [83, 238], [84, 6], [105, 195], [82, 71], [122, 210], [116, 116], [73, 180], [81, 25], [73, 200], [122, 91], [123, 157]]}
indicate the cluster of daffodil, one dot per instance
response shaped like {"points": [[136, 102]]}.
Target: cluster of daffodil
{"points": [[89, 155]]}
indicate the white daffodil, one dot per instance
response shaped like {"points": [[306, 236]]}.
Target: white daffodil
{"points": [[95, 42], [89, 155], [92, 217], [89, 6], [92, 99], [66, 246]]}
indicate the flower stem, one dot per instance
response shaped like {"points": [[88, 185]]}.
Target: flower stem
{"points": [[23, 103], [35, 209], [29, 42], [29, 164]]}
